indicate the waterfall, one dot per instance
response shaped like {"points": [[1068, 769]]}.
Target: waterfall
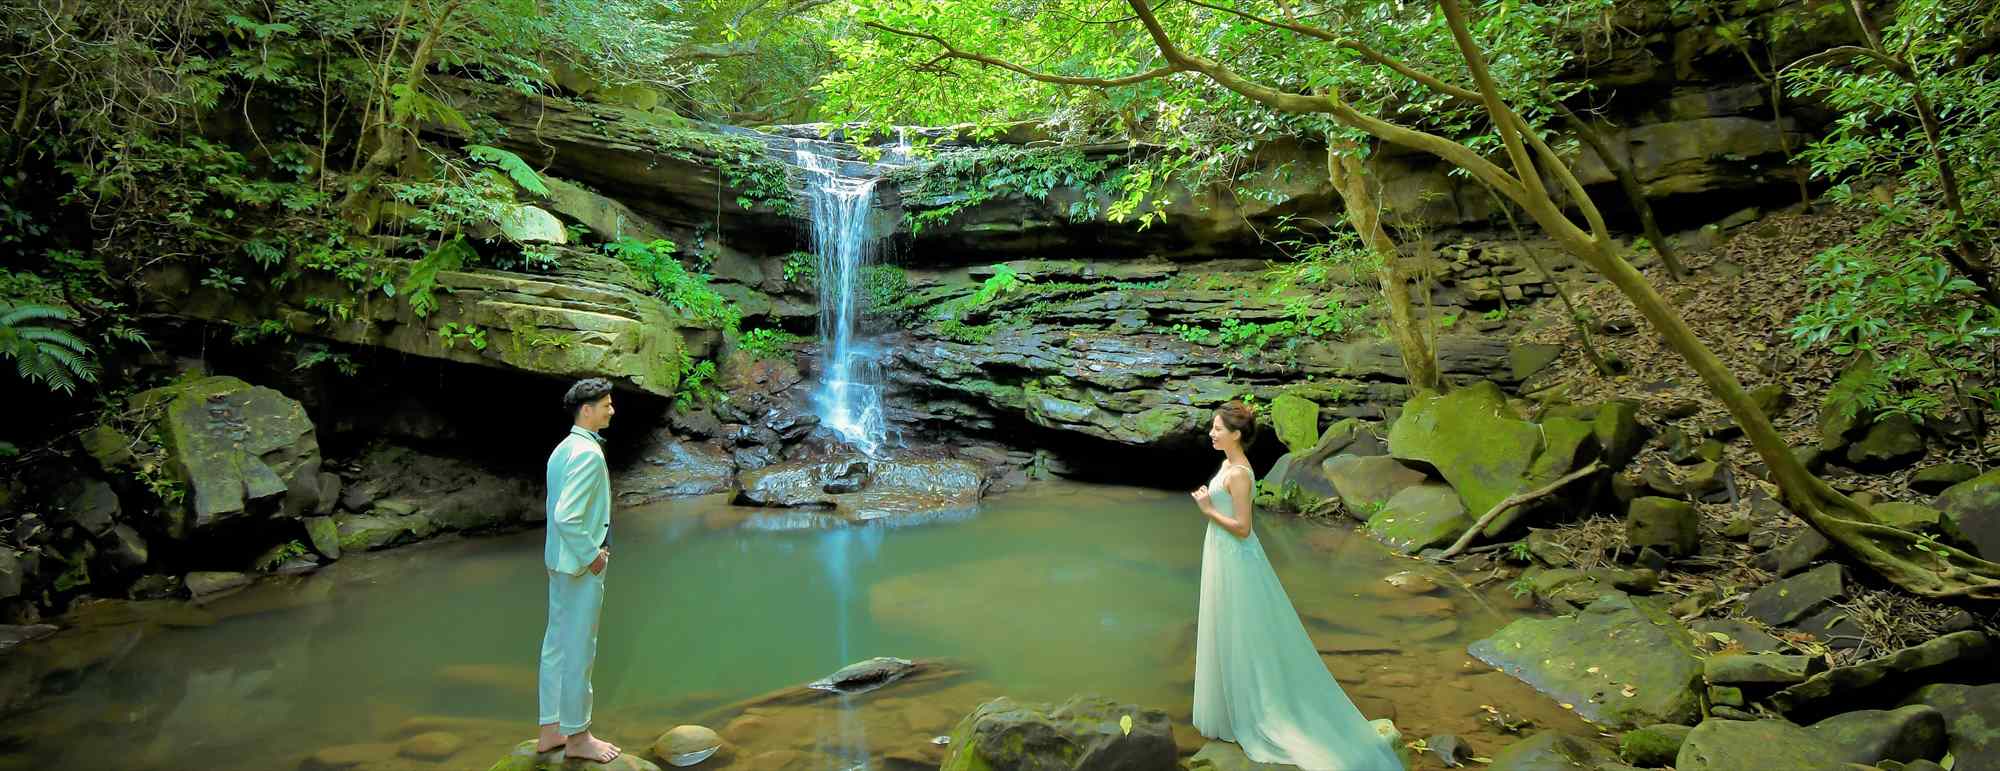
{"points": [[849, 399]]}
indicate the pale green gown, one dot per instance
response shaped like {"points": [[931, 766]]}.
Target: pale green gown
{"points": [[1258, 679]]}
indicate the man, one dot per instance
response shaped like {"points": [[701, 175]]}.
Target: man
{"points": [[576, 552]]}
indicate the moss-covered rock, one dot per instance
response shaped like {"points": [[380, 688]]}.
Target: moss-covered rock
{"points": [[1971, 721], [1438, 431], [572, 326], [1664, 523], [1866, 737], [243, 451], [1891, 443], [1367, 482], [1622, 662], [1972, 513], [1554, 751], [1654, 745], [1914, 517], [1420, 517], [1081, 734], [524, 758], [1295, 421]]}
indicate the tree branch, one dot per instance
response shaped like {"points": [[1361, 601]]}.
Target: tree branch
{"points": [[953, 52], [1511, 501]]}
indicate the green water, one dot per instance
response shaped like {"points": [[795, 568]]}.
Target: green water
{"points": [[1058, 590]]}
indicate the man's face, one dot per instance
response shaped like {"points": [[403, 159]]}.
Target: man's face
{"points": [[596, 415]]}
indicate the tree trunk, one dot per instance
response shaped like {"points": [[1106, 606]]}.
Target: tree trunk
{"points": [[1635, 193], [394, 139], [1350, 178]]}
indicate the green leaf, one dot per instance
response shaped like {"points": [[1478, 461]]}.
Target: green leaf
{"points": [[516, 168]]}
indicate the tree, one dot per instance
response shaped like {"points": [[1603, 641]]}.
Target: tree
{"points": [[1535, 178]]}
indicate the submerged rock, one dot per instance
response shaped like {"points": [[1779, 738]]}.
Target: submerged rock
{"points": [[1554, 751], [1082, 734], [865, 676], [687, 745]]}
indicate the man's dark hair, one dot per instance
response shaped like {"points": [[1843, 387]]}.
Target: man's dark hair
{"points": [[584, 392]]}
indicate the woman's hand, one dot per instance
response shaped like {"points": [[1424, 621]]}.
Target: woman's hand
{"points": [[1201, 497]]}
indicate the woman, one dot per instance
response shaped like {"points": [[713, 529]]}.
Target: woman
{"points": [[1258, 680]]}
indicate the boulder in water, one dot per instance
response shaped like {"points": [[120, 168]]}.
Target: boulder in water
{"points": [[1085, 733], [687, 745], [524, 758], [865, 676]]}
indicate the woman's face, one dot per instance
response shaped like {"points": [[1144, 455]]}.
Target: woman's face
{"points": [[1220, 436]]}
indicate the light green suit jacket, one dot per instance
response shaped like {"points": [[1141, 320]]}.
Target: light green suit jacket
{"points": [[579, 504]]}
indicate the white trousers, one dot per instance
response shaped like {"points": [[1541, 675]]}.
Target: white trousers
{"points": [[568, 649]]}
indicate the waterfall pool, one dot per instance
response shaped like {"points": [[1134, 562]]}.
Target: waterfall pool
{"points": [[1057, 590]]}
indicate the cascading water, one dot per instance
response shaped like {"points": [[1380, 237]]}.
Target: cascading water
{"points": [[849, 399]]}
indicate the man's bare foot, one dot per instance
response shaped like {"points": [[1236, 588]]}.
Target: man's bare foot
{"points": [[589, 747], [549, 740]]}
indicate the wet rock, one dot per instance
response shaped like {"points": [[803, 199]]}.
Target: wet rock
{"points": [[1082, 734], [1663, 523], [1865, 737], [865, 676], [671, 467], [524, 758], [434, 746], [1971, 720], [1366, 483], [1653, 746], [1885, 680], [1790, 599], [1448, 749], [1761, 669], [324, 535], [154, 587], [1972, 513], [368, 532], [687, 745], [1420, 517], [1936, 479], [349, 757], [1833, 626], [1227, 756], [1554, 751], [1893, 442], [12, 636], [1622, 662], [205, 584]]}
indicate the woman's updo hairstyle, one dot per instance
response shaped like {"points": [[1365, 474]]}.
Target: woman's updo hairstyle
{"points": [[1239, 417]]}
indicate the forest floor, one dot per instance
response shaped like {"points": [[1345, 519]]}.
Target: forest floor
{"points": [[1742, 296]]}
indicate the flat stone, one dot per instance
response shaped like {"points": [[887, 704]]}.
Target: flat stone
{"points": [[13, 636], [1885, 680], [1761, 669], [1790, 599], [1936, 479], [1801, 552], [1866, 737], [1554, 751], [432, 746], [524, 758], [1913, 517], [1588, 660], [1421, 517], [1082, 733], [1734, 633], [1365, 483], [1971, 719], [1893, 442], [203, 584]]}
